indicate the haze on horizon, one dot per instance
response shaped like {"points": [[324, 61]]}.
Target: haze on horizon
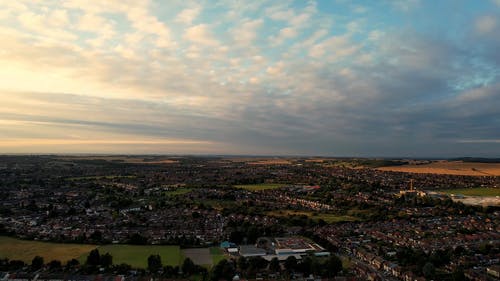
{"points": [[344, 78]]}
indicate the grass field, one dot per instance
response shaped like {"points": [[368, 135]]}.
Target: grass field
{"points": [[217, 255], [178, 191], [481, 191], [260, 186], [137, 256], [26, 250], [450, 168], [329, 218]]}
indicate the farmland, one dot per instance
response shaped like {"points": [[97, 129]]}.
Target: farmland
{"points": [[482, 191], [25, 250], [449, 168], [261, 186]]}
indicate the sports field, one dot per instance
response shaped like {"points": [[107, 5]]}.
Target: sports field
{"points": [[137, 256], [260, 186], [217, 255], [481, 191], [16, 249]]}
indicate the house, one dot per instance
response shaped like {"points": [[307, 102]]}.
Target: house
{"points": [[494, 270]]}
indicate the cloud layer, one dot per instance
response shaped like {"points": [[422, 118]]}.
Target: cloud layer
{"points": [[238, 77]]}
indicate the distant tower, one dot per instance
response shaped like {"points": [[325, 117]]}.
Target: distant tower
{"points": [[411, 184]]}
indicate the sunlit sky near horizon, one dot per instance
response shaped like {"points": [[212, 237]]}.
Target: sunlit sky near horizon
{"points": [[339, 78]]}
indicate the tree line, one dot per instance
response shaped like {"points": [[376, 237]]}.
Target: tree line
{"points": [[226, 269]]}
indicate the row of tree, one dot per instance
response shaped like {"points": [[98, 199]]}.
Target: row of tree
{"points": [[225, 269]]}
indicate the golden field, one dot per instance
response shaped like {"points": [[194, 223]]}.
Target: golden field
{"points": [[449, 168]]}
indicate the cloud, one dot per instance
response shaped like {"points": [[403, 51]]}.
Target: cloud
{"points": [[405, 5], [485, 24], [200, 34], [244, 77], [187, 16], [247, 31]]}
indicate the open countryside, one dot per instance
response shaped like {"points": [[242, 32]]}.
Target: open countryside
{"points": [[449, 168], [481, 191]]}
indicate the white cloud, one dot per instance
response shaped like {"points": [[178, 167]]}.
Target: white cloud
{"points": [[200, 34], [187, 16], [333, 48], [405, 5], [486, 24], [247, 31]]}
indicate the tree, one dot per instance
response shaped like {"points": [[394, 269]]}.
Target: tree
{"points": [[242, 263], [55, 265], [458, 275], [96, 236], [188, 266], [236, 236], [274, 265], [94, 258], [123, 268], [333, 265], [290, 263], [429, 270], [37, 263], [72, 263], [137, 239], [257, 263], [223, 270], [106, 260], [154, 263]]}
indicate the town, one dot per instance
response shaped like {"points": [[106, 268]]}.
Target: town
{"points": [[285, 215]]}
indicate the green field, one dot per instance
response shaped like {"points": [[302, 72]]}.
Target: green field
{"points": [[481, 191], [329, 218], [137, 256], [178, 191], [26, 250], [217, 255], [260, 186]]}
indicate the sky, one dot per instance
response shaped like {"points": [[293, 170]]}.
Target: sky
{"points": [[393, 78]]}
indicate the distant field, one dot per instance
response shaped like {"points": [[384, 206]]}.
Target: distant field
{"points": [[137, 256], [261, 186], [449, 168], [178, 191], [482, 191], [100, 177], [26, 250], [271, 162], [329, 218], [123, 159]]}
